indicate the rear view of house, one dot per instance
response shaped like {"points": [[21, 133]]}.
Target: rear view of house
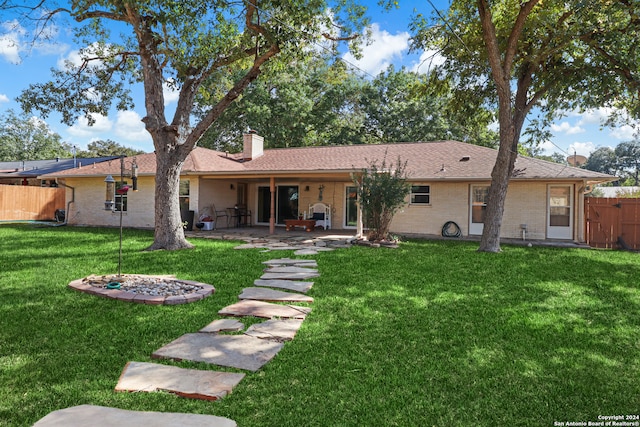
{"points": [[449, 182]]}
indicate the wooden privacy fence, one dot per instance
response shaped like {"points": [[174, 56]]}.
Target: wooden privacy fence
{"points": [[612, 223], [23, 202]]}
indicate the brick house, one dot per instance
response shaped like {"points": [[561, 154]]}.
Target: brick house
{"points": [[449, 182]]}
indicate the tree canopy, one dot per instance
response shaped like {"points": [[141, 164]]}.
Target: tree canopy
{"points": [[554, 56], [28, 138], [622, 161], [103, 148], [202, 49], [322, 102]]}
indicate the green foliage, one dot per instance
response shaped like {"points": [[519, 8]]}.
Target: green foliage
{"points": [[29, 138], [103, 148], [382, 190], [628, 154], [570, 56], [202, 49], [622, 161], [319, 102], [603, 160]]}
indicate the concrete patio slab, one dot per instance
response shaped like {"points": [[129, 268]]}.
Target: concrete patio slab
{"points": [[290, 261], [290, 276], [285, 284], [223, 325], [191, 383], [264, 309], [236, 351], [91, 416], [279, 330], [264, 294]]}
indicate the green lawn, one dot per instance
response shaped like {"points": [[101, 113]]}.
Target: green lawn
{"points": [[431, 334]]}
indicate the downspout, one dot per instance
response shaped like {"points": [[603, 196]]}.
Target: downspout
{"points": [[73, 199]]}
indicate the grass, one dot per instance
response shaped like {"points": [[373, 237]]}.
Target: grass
{"points": [[431, 334]]}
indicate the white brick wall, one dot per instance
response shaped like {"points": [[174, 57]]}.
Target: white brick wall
{"points": [[526, 203]]}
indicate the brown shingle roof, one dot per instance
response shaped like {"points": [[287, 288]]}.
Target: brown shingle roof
{"points": [[439, 160]]}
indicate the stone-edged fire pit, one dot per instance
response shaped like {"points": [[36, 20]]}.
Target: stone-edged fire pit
{"points": [[144, 289]]}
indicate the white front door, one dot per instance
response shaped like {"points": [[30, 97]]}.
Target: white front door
{"points": [[477, 208], [560, 212]]}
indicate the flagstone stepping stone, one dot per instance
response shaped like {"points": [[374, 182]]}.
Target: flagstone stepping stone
{"points": [[306, 252], [191, 383], [235, 351], [263, 294], [223, 325], [90, 416], [285, 284], [290, 269], [290, 261], [279, 330], [290, 276], [264, 309]]}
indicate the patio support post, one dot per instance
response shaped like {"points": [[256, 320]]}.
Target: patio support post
{"points": [[272, 208]]}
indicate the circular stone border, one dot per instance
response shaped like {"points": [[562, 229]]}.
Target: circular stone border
{"points": [[205, 290]]}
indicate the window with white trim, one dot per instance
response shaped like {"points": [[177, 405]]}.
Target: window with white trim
{"points": [[420, 194]]}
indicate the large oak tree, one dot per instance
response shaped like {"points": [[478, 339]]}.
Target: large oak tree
{"points": [[552, 55], [192, 46]]}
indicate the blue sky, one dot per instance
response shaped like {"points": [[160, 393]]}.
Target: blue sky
{"points": [[390, 42]]}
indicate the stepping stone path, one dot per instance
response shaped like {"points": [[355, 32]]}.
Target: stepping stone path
{"points": [[234, 351], [249, 351], [291, 276], [89, 415], [285, 284], [263, 294], [193, 383], [265, 309], [280, 330], [223, 325]]}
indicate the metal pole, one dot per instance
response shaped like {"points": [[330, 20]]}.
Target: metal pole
{"points": [[121, 209]]}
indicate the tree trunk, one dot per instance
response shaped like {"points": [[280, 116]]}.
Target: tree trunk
{"points": [[169, 231], [511, 115], [502, 170]]}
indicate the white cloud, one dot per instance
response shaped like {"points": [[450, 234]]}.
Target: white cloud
{"points": [[565, 127], [101, 127], [548, 147], [10, 41], [4, 98], [75, 58], [129, 127], [170, 93], [597, 116], [381, 50], [428, 60], [582, 148], [623, 133]]}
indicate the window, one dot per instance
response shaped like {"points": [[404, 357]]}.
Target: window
{"points": [[420, 194], [184, 195], [479, 203]]}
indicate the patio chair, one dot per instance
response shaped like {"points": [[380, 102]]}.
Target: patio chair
{"points": [[216, 215], [322, 214]]}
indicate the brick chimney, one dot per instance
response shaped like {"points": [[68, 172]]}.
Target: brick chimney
{"points": [[253, 145]]}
